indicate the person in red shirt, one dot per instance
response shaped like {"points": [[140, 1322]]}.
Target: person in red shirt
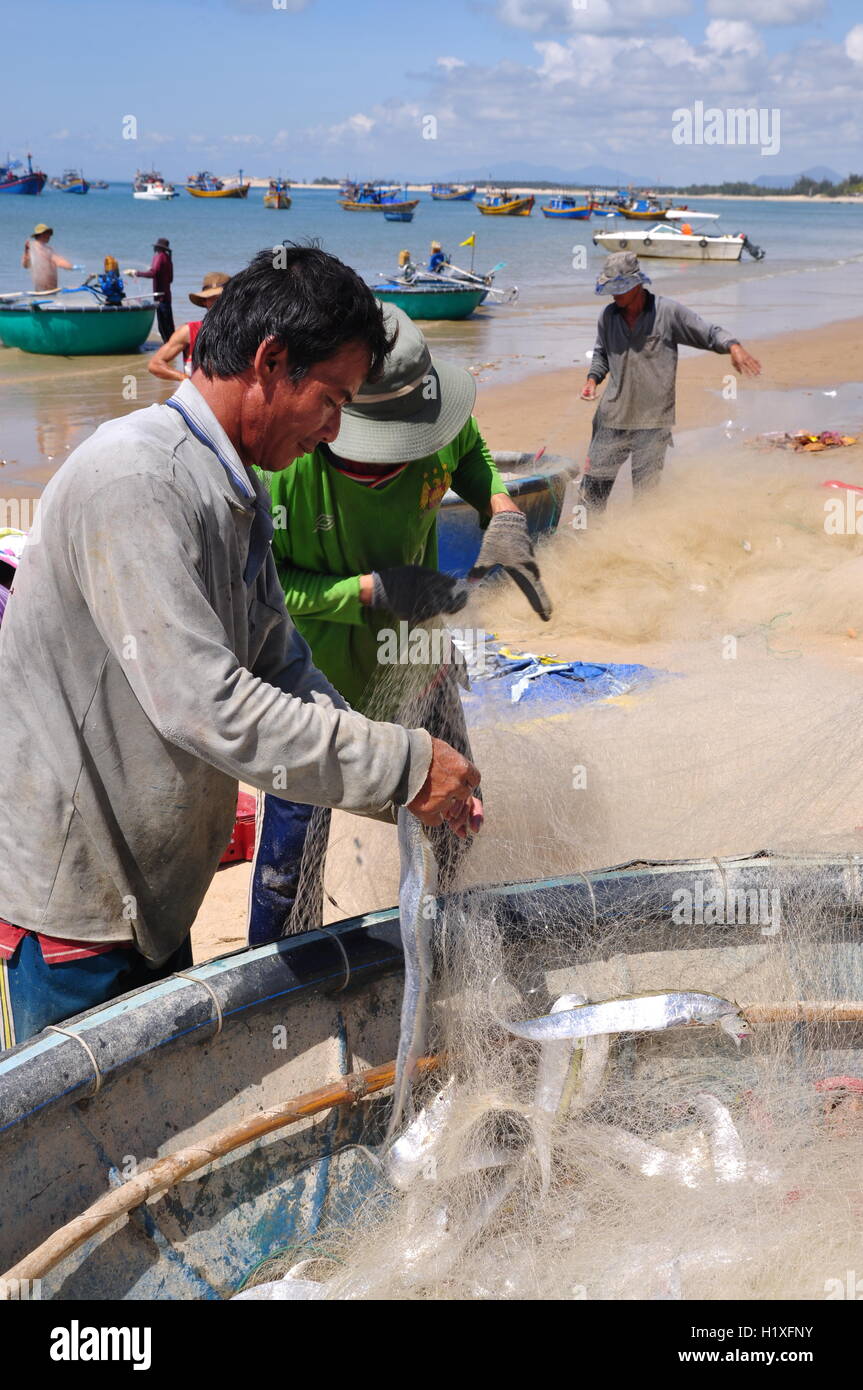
{"points": [[161, 272], [183, 338]]}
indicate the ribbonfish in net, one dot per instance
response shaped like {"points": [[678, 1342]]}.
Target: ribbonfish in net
{"points": [[638, 1013], [417, 888]]}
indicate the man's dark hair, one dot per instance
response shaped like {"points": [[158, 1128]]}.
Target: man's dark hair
{"points": [[301, 297]]}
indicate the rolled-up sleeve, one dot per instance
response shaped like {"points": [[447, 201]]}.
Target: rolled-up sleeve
{"points": [[149, 601]]}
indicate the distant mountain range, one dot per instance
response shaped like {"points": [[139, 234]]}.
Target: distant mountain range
{"points": [[818, 172]]}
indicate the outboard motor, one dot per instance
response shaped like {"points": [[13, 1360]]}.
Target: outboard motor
{"points": [[756, 252]]}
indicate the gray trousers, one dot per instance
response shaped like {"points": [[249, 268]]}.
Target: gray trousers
{"points": [[609, 450]]}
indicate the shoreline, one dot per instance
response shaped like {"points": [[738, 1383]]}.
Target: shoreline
{"points": [[524, 188], [518, 415]]}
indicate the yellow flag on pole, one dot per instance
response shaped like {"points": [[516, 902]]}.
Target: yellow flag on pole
{"points": [[471, 241]]}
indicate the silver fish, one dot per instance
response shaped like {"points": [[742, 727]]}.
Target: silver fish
{"points": [[638, 1013], [551, 1077], [417, 888]]}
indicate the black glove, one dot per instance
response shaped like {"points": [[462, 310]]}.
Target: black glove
{"points": [[415, 593], [508, 544]]}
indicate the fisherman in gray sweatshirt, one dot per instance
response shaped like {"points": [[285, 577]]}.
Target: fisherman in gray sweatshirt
{"points": [[148, 663], [636, 348]]}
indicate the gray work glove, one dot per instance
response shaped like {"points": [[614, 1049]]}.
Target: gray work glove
{"points": [[508, 544], [415, 593]]}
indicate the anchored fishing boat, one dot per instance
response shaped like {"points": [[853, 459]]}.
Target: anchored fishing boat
{"points": [[396, 214], [206, 185], [72, 181], [13, 180], [453, 193], [676, 242], [150, 187], [74, 323], [562, 206], [377, 197], [502, 203], [278, 195], [239, 1087], [430, 301]]}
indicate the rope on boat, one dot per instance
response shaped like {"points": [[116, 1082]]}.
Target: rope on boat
{"points": [[193, 979], [76, 1037], [341, 945]]}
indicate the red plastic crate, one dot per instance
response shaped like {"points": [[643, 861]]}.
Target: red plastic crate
{"points": [[242, 842]]}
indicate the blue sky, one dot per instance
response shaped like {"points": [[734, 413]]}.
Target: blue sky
{"points": [[330, 86]]}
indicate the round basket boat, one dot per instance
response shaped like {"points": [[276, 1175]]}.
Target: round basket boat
{"points": [[175, 1063], [75, 325]]}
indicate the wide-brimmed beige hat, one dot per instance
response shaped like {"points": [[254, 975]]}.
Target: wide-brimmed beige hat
{"points": [[214, 283], [416, 407], [40, 228]]}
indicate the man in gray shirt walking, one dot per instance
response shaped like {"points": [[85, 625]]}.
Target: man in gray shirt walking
{"points": [[148, 663], [636, 348]]}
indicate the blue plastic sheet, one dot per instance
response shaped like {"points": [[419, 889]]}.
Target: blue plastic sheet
{"points": [[499, 673]]}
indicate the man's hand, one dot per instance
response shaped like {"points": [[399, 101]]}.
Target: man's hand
{"points": [[508, 544], [447, 794], [588, 391], [742, 361], [415, 593]]}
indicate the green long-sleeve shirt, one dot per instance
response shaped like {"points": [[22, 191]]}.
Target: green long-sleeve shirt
{"points": [[330, 530]]}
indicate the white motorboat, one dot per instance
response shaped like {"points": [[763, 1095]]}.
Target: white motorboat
{"points": [[152, 188], [679, 241]]}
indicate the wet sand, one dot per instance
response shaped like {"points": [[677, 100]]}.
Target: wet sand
{"points": [[544, 409]]}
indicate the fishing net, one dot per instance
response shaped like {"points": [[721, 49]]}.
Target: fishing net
{"points": [[697, 1161]]}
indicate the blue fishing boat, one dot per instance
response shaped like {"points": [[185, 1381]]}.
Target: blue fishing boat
{"points": [[377, 197], [15, 179], [562, 206], [236, 1087], [453, 193], [398, 214], [72, 181]]}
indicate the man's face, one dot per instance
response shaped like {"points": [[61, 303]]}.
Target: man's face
{"points": [[631, 299], [286, 420]]}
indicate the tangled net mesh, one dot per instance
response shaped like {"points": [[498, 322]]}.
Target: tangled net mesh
{"points": [[645, 1164]]}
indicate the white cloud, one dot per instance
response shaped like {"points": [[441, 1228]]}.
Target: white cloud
{"points": [[450, 63], [730, 36], [768, 11], [594, 17], [359, 124], [854, 43]]}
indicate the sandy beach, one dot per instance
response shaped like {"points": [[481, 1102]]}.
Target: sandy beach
{"points": [[798, 368]]}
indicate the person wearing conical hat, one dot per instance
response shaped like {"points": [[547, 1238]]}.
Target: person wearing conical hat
{"points": [[356, 549], [636, 349], [182, 340]]}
